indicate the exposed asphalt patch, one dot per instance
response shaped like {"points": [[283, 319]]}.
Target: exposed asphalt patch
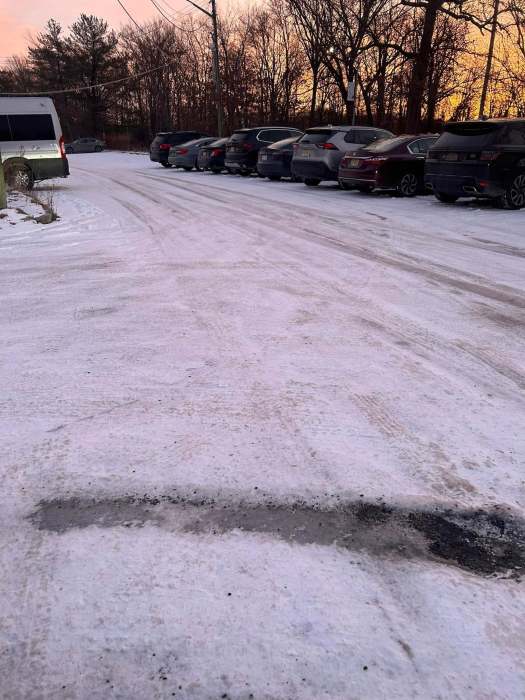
{"points": [[483, 542]]}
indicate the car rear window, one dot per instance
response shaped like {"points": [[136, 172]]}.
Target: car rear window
{"points": [[32, 127], [469, 136], [284, 143], [219, 142], [240, 136], [318, 135], [385, 145]]}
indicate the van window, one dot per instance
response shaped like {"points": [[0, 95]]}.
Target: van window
{"points": [[32, 127], [5, 134]]}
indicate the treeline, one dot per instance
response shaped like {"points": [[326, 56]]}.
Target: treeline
{"points": [[416, 62]]}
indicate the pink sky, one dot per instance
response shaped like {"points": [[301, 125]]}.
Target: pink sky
{"points": [[19, 19]]}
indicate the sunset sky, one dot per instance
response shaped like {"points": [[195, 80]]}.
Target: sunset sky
{"points": [[20, 19]]}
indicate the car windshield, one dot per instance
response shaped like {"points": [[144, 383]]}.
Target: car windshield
{"points": [[318, 135], [468, 136], [386, 145]]}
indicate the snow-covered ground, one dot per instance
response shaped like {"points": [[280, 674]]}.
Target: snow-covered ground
{"points": [[182, 353]]}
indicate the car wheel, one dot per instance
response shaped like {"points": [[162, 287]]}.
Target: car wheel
{"points": [[364, 189], [69, 150], [344, 185], [514, 197], [98, 149], [446, 198], [311, 181], [187, 168], [274, 178], [166, 165], [19, 177], [230, 171], [408, 185], [216, 171], [294, 178], [245, 173]]}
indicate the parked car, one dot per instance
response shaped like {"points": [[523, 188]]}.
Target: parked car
{"points": [[275, 161], [390, 164], [185, 156], [484, 159], [160, 146], [87, 145], [31, 141], [211, 156], [244, 146], [318, 154]]}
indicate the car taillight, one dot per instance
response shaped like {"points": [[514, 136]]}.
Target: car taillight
{"points": [[295, 146], [181, 151], [165, 146], [62, 147], [327, 146], [216, 152], [247, 146], [488, 155]]}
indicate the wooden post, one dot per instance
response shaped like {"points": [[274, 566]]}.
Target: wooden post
{"points": [[3, 193]]}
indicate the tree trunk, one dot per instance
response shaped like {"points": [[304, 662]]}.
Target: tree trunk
{"points": [[420, 68]]}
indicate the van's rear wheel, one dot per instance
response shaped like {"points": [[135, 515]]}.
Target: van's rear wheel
{"points": [[514, 197], [311, 181], [446, 198], [19, 177]]}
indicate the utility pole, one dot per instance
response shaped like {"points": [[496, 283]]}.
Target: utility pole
{"points": [[216, 66], [490, 55]]}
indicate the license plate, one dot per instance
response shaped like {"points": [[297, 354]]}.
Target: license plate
{"points": [[355, 162], [305, 154], [264, 157]]}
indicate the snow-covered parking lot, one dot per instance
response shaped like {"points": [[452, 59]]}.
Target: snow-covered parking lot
{"points": [[260, 441]]}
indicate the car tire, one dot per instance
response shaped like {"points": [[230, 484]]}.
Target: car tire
{"points": [[344, 185], [446, 198], [166, 165], [98, 149], [216, 171], [245, 173], [364, 189], [408, 185], [514, 196], [274, 178], [187, 168], [19, 176], [294, 178], [311, 181], [69, 150]]}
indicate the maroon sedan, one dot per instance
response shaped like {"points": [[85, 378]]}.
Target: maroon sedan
{"points": [[390, 164]]}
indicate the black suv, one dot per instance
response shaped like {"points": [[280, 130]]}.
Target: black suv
{"points": [[484, 158], [244, 145], [161, 144]]}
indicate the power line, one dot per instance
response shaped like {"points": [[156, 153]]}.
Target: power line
{"points": [[182, 29], [84, 88]]}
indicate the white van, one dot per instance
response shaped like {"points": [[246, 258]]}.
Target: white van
{"points": [[31, 141]]}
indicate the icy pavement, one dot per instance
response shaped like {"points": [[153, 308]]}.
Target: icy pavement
{"points": [[260, 440]]}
